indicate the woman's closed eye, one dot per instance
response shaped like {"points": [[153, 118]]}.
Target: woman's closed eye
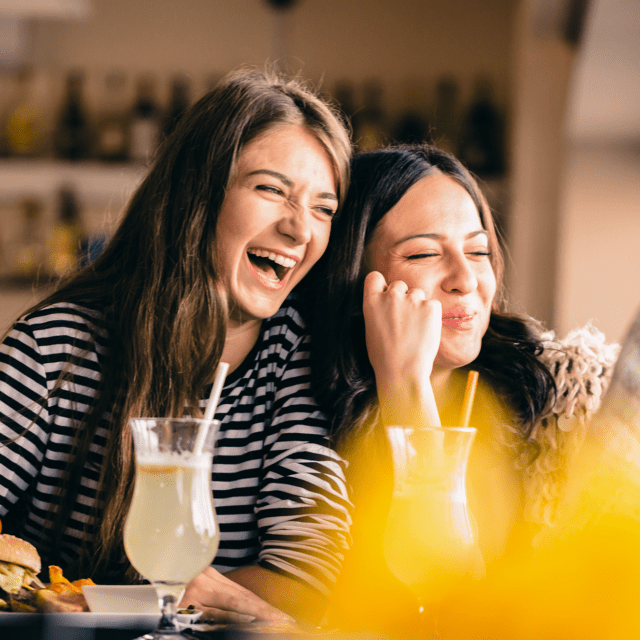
{"points": [[481, 253], [426, 254], [270, 188], [329, 211]]}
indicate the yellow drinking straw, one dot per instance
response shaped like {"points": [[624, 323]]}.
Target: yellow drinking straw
{"points": [[469, 394]]}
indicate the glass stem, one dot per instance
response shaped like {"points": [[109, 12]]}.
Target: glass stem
{"points": [[168, 619], [429, 623]]}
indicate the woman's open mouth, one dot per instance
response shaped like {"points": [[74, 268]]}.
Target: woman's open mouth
{"points": [[272, 266]]}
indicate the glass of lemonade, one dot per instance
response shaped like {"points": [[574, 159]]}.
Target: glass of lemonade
{"points": [[171, 533], [430, 541]]}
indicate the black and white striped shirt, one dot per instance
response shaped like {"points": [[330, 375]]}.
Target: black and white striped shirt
{"points": [[279, 489]]}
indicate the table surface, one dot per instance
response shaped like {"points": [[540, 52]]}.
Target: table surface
{"points": [[88, 626]]}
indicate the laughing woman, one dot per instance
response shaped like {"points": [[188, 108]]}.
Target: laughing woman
{"points": [[235, 210]]}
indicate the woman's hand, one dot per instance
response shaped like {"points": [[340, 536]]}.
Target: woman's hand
{"points": [[223, 600], [403, 336]]}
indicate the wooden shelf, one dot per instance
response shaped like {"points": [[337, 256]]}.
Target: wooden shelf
{"points": [[94, 182]]}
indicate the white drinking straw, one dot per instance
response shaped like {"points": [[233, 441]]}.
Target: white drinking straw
{"points": [[216, 390], [212, 403]]}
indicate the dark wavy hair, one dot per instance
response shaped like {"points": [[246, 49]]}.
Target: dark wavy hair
{"points": [[156, 282], [343, 378]]}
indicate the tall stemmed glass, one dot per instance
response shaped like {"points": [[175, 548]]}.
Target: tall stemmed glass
{"points": [[430, 541], [171, 533]]}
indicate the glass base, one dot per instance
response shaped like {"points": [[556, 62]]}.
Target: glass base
{"points": [[161, 635], [167, 628]]}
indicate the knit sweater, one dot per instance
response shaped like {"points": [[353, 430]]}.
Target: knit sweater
{"points": [[581, 365]]}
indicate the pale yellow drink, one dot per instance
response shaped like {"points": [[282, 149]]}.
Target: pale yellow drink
{"points": [[429, 541], [171, 533]]}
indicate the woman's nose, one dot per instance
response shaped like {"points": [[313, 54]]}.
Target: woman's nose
{"points": [[295, 222], [461, 277]]}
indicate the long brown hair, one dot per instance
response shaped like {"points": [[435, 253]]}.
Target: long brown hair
{"points": [[155, 284]]}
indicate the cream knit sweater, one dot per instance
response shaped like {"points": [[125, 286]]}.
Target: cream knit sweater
{"points": [[581, 365]]}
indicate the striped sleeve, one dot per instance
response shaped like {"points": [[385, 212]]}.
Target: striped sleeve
{"points": [[304, 513], [23, 414], [49, 371]]}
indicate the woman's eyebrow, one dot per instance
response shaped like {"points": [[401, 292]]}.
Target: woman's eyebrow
{"points": [[480, 232], [286, 181], [439, 236]]}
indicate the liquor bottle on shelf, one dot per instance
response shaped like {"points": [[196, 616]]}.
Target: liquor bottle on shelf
{"points": [[179, 102], [481, 146], [66, 234], [24, 121], [446, 114], [72, 135], [145, 123], [112, 126], [412, 125], [370, 129], [31, 250]]}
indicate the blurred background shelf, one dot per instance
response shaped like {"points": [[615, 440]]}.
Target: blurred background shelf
{"points": [[33, 188], [562, 73], [93, 181]]}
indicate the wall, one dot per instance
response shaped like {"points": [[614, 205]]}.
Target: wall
{"points": [[598, 275], [599, 267], [575, 184]]}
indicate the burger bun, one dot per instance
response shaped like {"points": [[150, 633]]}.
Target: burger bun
{"points": [[18, 551]]}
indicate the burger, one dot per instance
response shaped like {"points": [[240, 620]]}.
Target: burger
{"points": [[19, 568]]}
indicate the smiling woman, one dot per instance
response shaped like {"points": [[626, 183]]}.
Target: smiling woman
{"points": [[234, 211], [409, 301]]}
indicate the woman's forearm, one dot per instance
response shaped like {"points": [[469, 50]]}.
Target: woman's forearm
{"points": [[290, 596]]}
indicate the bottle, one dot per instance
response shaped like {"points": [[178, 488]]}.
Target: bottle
{"points": [[446, 116], [481, 147], [30, 254], [66, 234], [412, 126], [112, 127], [179, 102], [72, 140], [145, 122], [24, 131], [369, 123]]}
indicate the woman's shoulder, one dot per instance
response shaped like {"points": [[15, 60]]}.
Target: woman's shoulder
{"points": [[581, 365], [63, 312], [61, 318]]}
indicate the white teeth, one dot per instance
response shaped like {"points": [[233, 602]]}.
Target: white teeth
{"points": [[289, 263]]}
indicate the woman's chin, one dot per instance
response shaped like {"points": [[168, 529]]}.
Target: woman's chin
{"points": [[450, 361]]}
